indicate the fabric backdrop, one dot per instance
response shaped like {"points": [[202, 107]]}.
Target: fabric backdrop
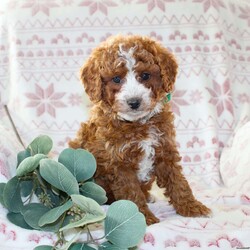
{"points": [[44, 43]]}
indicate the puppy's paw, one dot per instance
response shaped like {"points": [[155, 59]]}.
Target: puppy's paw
{"points": [[151, 219], [194, 209], [202, 210]]}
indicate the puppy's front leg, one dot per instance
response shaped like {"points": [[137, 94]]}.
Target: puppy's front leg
{"points": [[170, 177], [125, 186]]}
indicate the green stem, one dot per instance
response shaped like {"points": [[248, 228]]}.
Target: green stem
{"points": [[61, 240], [29, 197], [92, 240], [40, 180]]}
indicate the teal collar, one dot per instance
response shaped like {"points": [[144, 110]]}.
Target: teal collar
{"points": [[167, 98]]}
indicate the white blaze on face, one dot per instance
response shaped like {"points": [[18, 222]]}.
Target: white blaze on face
{"points": [[132, 90]]}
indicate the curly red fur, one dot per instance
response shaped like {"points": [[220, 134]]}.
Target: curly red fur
{"points": [[115, 142]]}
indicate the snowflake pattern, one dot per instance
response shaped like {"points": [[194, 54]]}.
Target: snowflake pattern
{"points": [[221, 97], [178, 100], [155, 3], [196, 96], [101, 5], [42, 5], [210, 3], [45, 100]]}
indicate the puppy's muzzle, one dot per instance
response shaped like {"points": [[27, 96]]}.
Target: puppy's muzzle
{"points": [[134, 103]]}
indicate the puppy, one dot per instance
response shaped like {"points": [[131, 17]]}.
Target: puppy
{"points": [[131, 131]]}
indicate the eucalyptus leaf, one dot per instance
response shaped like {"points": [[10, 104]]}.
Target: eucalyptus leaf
{"points": [[80, 246], [53, 227], [109, 246], [80, 163], [22, 155], [54, 214], [124, 219], [11, 195], [86, 219], [55, 199], [29, 164], [2, 186], [94, 191], [91, 212], [17, 219], [26, 188], [87, 205], [40, 145], [32, 213], [59, 176], [44, 247]]}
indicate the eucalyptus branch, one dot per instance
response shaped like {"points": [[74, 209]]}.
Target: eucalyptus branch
{"points": [[63, 193]]}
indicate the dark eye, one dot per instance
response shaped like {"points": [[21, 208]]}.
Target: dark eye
{"points": [[117, 79], [145, 76]]}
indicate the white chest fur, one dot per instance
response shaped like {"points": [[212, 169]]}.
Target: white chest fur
{"points": [[146, 165]]}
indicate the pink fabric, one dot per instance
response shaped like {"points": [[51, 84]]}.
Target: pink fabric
{"points": [[43, 45]]}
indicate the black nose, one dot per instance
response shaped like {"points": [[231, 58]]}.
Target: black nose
{"points": [[134, 103]]}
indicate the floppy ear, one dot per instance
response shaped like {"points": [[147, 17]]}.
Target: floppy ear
{"points": [[168, 66], [91, 79]]}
